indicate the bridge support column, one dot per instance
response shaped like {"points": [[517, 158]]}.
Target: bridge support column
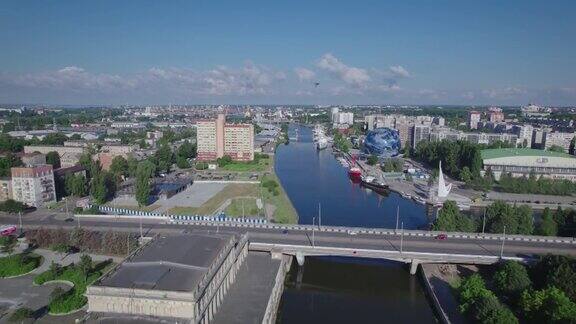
{"points": [[300, 258], [414, 266]]}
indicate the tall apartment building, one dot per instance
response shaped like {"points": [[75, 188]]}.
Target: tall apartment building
{"points": [[495, 115], [217, 139], [34, 186], [473, 119], [558, 139]]}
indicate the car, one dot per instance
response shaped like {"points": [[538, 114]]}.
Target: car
{"points": [[352, 233], [285, 231], [69, 220], [441, 237]]}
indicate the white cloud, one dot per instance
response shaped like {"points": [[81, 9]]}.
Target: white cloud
{"points": [[351, 75], [399, 71], [304, 74]]}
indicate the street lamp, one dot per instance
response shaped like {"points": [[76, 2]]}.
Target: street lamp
{"points": [[397, 216], [313, 228], [503, 240], [484, 221], [402, 238]]}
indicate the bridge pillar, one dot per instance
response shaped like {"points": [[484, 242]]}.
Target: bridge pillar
{"points": [[300, 258], [414, 266]]}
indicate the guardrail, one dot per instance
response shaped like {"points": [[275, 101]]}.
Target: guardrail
{"points": [[263, 224], [384, 231], [196, 218]]}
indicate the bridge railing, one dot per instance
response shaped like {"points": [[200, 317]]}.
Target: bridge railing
{"points": [[263, 224]]}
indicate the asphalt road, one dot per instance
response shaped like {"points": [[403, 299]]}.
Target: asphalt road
{"points": [[327, 239]]}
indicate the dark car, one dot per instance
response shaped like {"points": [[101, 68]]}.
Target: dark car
{"points": [[441, 237]]}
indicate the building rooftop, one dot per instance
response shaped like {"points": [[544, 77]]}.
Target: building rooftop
{"points": [[171, 263], [512, 152]]}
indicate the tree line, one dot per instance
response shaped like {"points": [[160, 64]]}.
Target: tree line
{"points": [[542, 293], [79, 239], [499, 215]]}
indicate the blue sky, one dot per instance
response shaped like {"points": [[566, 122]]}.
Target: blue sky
{"points": [[388, 52]]}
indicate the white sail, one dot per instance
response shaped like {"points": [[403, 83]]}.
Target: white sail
{"points": [[443, 188]]}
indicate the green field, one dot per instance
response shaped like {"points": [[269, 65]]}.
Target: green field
{"points": [[242, 207], [255, 166]]}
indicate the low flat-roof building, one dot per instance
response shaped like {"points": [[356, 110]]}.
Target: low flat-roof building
{"points": [[522, 161], [182, 277]]}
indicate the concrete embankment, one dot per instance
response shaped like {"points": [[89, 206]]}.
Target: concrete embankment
{"points": [[440, 293], [276, 296]]}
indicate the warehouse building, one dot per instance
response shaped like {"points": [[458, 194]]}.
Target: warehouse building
{"points": [[182, 277], [521, 161]]}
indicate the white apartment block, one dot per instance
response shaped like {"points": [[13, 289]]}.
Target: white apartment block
{"points": [[34, 186], [558, 139]]}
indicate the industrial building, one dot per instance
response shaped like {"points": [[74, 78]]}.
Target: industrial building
{"points": [[182, 277], [521, 162]]}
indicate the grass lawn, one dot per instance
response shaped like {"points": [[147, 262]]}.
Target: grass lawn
{"points": [[18, 264], [242, 206], [261, 165], [285, 212], [74, 298]]}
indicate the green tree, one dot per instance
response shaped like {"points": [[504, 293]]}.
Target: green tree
{"points": [[55, 139], [524, 219], [451, 220], [85, 265], [572, 145], [98, 189], [12, 206], [558, 271], [550, 305], [489, 310], [500, 215], [465, 174], [511, 279], [53, 159], [470, 290], [182, 162], [143, 187], [187, 150], [132, 166], [547, 226], [119, 166], [165, 158]]}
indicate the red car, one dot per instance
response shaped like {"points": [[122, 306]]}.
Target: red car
{"points": [[441, 237], [7, 230]]}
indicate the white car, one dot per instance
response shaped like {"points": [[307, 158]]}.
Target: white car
{"points": [[352, 233]]}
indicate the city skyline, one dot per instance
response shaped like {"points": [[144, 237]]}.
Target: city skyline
{"points": [[142, 52]]}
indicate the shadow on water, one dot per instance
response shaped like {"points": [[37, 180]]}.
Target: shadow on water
{"points": [[351, 290]]}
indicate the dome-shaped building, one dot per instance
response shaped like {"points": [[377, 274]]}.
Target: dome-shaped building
{"points": [[382, 142]]}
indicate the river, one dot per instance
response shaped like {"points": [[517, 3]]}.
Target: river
{"points": [[345, 290], [312, 177]]}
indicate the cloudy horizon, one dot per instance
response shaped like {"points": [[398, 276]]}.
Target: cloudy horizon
{"points": [[90, 54]]}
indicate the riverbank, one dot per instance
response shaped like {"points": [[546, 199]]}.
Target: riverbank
{"points": [[439, 281]]}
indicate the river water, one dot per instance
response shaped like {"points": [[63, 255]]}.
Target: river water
{"points": [[345, 290], [311, 178]]}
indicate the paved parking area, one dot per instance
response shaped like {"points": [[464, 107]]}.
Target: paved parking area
{"points": [[194, 196]]}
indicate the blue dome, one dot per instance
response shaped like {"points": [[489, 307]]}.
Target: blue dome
{"points": [[383, 142]]}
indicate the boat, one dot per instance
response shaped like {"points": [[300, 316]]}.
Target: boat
{"points": [[372, 183], [322, 143], [354, 171]]}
